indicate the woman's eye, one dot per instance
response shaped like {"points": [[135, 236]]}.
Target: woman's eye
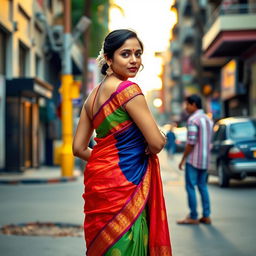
{"points": [[125, 54], [138, 54]]}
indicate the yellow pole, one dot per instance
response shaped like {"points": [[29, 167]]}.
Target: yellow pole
{"points": [[67, 159]]}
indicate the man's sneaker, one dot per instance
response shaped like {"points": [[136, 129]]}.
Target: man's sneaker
{"points": [[205, 220]]}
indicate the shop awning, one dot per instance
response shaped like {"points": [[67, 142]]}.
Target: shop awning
{"points": [[30, 87], [231, 44]]}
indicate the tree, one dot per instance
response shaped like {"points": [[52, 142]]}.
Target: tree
{"points": [[97, 11]]}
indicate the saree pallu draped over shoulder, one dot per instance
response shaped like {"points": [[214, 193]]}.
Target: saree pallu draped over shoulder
{"points": [[122, 186]]}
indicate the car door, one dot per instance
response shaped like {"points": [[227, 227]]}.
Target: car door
{"points": [[219, 135]]}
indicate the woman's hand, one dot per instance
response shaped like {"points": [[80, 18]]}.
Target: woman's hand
{"points": [[143, 118], [147, 151]]}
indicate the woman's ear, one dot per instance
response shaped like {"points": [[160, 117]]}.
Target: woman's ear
{"points": [[109, 61]]}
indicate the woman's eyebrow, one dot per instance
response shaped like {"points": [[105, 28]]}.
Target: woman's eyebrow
{"points": [[130, 50]]}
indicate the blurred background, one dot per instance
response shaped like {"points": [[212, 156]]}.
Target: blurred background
{"points": [[47, 66]]}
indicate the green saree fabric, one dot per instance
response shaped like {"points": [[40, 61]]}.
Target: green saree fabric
{"points": [[134, 241]]}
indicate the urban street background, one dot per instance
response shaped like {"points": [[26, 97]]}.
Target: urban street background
{"points": [[48, 51], [232, 232]]}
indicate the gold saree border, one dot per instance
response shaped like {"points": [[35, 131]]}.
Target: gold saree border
{"points": [[122, 222], [160, 251]]}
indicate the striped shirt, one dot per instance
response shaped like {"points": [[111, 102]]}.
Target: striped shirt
{"points": [[199, 127]]}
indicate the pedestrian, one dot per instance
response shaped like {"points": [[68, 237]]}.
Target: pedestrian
{"points": [[124, 205], [171, 144], [196, 155]]}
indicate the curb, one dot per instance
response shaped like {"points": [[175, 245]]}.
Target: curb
{"points": [[37, 181]]}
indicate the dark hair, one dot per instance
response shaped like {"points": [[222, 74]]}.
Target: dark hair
{"points": [[115, 40], [194, 99]]}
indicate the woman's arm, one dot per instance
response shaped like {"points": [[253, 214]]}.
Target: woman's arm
{"points": [[141, 115], [82, 136]]}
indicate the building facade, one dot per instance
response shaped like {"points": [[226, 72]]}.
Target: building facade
{"points": [[185, 50], [30, 79], [214, 55], [230, 35]]}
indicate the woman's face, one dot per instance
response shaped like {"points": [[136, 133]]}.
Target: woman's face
{"points": [[127, 59]]}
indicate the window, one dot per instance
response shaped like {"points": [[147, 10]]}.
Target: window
{"points": [[2, 52], [10, 10], [38, 67], [50, 5], [244, 130], [23, 52], [219, 133]]}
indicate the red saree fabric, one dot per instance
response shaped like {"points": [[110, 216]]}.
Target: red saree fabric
{"points": [[159, 239], [121, 181]]}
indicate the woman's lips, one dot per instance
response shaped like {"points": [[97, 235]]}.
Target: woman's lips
{"points": [[132, 69]]}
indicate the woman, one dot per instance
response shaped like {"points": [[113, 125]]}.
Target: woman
{"points": [[124, 206]]}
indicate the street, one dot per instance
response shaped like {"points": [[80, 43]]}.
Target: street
{"points": [[70, 72], [233, 211], [231, 234]]}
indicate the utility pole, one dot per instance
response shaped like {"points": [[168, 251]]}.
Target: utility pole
{"points": [[69, 89], [67, 159]]}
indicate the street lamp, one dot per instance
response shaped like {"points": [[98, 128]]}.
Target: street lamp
{"points": [[157, 103], [67, 83]]}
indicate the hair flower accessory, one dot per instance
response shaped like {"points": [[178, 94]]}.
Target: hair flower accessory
{"points": [[101, 59]]}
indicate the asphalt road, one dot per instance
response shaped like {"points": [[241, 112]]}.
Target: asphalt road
{"points": [[233, 213], [232, 232]]}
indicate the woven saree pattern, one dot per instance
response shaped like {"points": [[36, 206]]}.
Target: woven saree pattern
{"points": [[122, 182]]}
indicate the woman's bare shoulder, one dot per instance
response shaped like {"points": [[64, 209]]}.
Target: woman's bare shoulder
{"points": [[89, 100], [111, 85]]}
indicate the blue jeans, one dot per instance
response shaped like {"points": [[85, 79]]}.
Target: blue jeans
{"points": [[193, 177]]}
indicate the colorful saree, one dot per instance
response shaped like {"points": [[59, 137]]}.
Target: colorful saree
{"points": [[124, 206]]}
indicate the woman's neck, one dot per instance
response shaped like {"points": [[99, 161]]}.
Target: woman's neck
{"points": [[118, 77]]}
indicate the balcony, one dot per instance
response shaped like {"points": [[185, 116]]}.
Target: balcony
{"points": [[175, 69], [231, 31], [187, 35], [175, 48], [185, 8]]}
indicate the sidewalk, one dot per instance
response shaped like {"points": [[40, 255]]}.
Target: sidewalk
{"points": [[41, 195], [231, 234], [44, 174]]}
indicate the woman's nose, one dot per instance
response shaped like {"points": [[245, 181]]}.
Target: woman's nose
{"points": [[133, 58]]}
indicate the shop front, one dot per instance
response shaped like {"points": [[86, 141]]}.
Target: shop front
{"points": [[22, 122], [234, 89]]}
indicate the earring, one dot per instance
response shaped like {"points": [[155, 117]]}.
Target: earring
{"points": [[109, 71]]}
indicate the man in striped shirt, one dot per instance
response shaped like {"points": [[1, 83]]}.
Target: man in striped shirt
{"points": [[196, 156]]}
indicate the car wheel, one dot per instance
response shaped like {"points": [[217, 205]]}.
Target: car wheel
{"points": [[223, 177]]}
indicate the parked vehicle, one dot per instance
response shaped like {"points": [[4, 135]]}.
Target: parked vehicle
{"points": [[181, 138], [233, 152]]}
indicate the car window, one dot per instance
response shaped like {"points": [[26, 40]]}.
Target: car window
{"points": [[220, 133], [243, 130], [215, 132]]}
